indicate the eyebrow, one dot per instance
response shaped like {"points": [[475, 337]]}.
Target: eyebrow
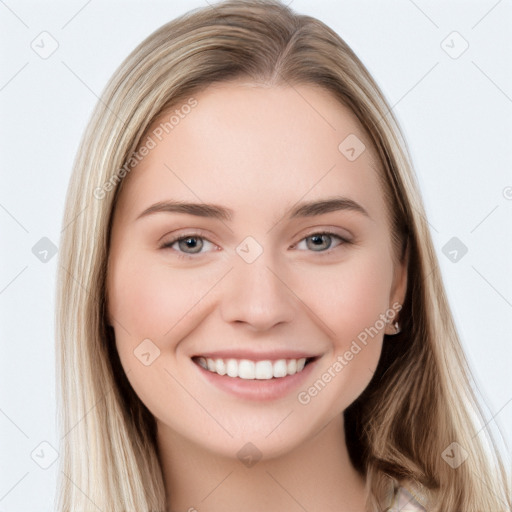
{"points": [[304, 209]]}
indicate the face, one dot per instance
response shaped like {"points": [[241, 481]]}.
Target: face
{"points": [[260, 317]]}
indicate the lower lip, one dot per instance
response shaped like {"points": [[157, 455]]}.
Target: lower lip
{"points": [[255, 389]]}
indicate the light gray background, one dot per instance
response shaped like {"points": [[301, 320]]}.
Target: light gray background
{"points": [[456, 114]]}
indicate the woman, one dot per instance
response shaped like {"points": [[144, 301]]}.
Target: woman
{"points": [[250, 308]]}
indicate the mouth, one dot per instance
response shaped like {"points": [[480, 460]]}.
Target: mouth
{"points": [[262, 377], [265, 369]]}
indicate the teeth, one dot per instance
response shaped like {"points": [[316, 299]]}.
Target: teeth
{"points": [[250, 370], [264, 370], [220, 367], [232, 368], [280, 369], [246, 369]]}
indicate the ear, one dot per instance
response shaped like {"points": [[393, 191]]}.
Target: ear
{"points": [[398, 292], [399, 287]]}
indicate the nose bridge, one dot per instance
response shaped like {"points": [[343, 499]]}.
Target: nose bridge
{"points": [[256, 295]]}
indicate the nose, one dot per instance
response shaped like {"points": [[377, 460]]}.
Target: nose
{"points": [[257, 296]]}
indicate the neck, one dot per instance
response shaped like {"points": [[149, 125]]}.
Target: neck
{"points": [[317, 475]]}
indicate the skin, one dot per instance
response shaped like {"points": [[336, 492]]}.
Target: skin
{"points": [[258, 151]]}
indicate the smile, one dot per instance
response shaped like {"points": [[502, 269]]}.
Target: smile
{"points": [[251, 370]]}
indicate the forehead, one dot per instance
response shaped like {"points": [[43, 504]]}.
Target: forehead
{"points": [[244, 144]]}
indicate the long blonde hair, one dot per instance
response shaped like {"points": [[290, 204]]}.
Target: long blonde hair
{"points": [[420, 399]]}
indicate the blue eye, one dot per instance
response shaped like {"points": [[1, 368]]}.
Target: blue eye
{"points": [[188, 245], [321, 242], [192, 243]]}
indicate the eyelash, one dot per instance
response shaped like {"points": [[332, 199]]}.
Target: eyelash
{"points": [[183, 255]]}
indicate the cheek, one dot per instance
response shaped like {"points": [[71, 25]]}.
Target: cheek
{"points": [[349, 298], [153, 300]]}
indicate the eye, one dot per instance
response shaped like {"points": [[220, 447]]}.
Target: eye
{"points": [[322, 241], [192, 243], [189, 244]]}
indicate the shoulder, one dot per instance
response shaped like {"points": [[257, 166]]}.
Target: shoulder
{"points": [[406, 501]]}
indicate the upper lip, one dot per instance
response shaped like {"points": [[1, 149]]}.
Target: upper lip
{"points": [[272, 355]]}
